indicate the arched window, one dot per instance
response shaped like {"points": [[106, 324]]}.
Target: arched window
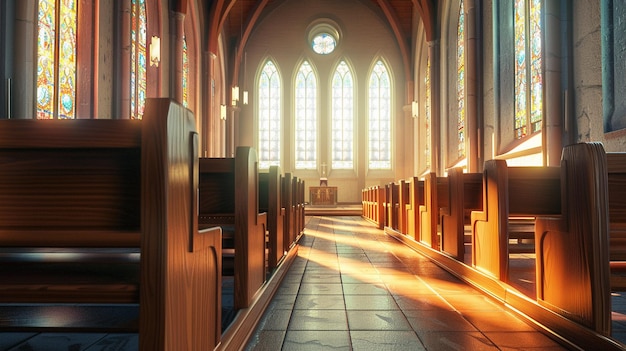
{"points": [[427, 113], [528, 79], [306, 118], [56, 59], [379, 118], [138, 60], [185, 74], [460, 85], [269, 116], [342, 118]]}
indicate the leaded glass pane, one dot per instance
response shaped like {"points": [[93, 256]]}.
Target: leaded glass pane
{"points": [[269, 117], [306, 118], [185, 74], [379, 118], [528, 79], [427, 117], [460, 71], [342, 118], [56, 59], [138, 59], [536, 104], [323, 44]]}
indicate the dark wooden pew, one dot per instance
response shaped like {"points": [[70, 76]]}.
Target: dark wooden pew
{"points": [[464, 195], [270, 202], [416, 199], [101, 214], [228, 198], [616, 174], [510, 192]]}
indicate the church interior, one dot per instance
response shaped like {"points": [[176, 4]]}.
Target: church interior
{"points": [[173, 170]]}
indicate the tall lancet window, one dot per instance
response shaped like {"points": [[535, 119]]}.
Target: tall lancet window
{"points": [[528, 78], [56, 59], [269, 116], [460, 82], [306, 118], [427, 113], [379, 118], [138, 60], [185, 74], [342, 110]]}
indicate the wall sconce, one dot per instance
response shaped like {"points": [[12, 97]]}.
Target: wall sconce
{"points": [[414, 109], [155, 51], [223, 112], [235, 95], [245, 97]]}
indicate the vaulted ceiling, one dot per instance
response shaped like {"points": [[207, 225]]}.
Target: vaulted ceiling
{"points": [[236, 20]]}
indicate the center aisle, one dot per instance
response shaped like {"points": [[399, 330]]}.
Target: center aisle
{"points": [[352, 287]]}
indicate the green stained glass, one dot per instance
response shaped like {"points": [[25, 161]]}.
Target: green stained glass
{"points": [[56, 59], [269, 116], [342, 139], [379, 118], [306, 118], [460, 71], [138, 58]]}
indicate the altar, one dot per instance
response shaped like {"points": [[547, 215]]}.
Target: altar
{"points": [[323, 195]]}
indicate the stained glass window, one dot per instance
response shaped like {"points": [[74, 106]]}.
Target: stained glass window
{"points": [[342, 110], [324, 43], [379, 118], [138, 60], [185, 74], [460, 73], [427, 114], [528, 78], [306, 118], [56, 59], [269, 116]]}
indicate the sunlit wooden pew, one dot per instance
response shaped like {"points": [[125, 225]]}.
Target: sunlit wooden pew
{"points": [[435, 196], [228, 197], [270, 202], [100, 215], [509, 192], [373, 205], [464, 196]]}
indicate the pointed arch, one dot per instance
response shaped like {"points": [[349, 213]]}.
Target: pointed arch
{"points": [[269, 91], [306, 116], [379, 112], [342, 116]]}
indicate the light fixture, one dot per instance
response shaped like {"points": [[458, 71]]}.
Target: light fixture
{"points": [[245, 97], [235, 95], [414, 109], [223, 112], [155, 51]]}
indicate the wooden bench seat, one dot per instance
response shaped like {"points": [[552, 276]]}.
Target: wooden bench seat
{"points": [[270, 202], [95, 213], [228, 198]]}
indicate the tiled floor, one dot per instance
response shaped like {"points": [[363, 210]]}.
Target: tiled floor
{"points": [[354, 288]]}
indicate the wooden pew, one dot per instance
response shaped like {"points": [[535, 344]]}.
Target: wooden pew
{"points": [[228, 197], [391, 205], [270, 202], [616, 174], [373, 205], [464, 196], [572, 248], [290, 212], [101, 212], [435, 195], [298, 201], [509, 192]]}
